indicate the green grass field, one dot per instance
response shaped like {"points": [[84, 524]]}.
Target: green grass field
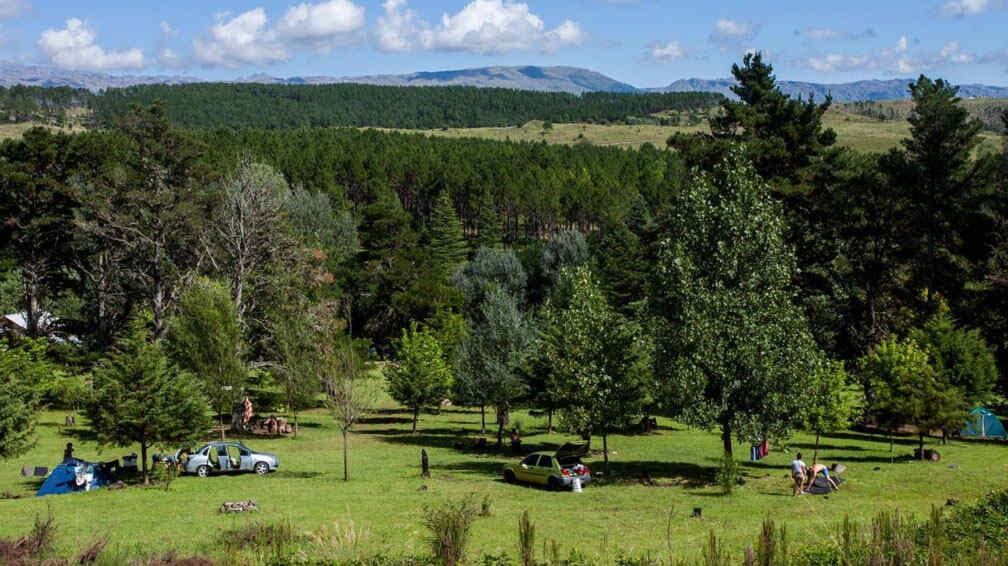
{"points": [[853, 131], [385, 499]]}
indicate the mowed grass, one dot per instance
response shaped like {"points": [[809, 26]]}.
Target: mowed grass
{"points": [[386, 497], [854, 131]]}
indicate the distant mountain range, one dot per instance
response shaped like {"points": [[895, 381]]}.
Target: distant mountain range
{"points": [[890, 89], [558, 79]]}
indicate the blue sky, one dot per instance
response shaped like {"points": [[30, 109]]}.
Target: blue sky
{"points": [[643, 42]]}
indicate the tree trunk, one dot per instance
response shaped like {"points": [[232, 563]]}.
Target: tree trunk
{"points": [[891, 447], [605, 453], [815, 453], [416, 417], [143, 466], [726, 440], [294, 414], [346, 457], [920, 445], [220, 421], [501, 423], [483, 419], [549, 421]]}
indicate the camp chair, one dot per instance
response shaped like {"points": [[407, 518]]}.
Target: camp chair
{"points": [[41, 471], [28, 471]]}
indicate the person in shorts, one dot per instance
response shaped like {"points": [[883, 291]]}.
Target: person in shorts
{"points": [[798, 471]]}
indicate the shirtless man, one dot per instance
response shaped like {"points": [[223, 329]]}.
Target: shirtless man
{"points": [[820, 469]]}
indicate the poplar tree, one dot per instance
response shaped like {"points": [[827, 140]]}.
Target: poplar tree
{"points": [[733, 350]]}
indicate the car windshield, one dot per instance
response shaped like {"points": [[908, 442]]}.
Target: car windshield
{"points": [[531, 460]]}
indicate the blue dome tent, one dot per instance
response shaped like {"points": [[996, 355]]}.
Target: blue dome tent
{"points": [[74, 475], [983, 424]]}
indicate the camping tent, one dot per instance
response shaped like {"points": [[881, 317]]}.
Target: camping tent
{"points": [[983, 424], [74, 475]]}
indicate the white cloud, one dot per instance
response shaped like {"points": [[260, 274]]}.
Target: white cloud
{"points": [[830, 34], [243, 39], [668, 51], [732, 32], [322, 25], [951, 53], [168, 59], [12, 8], [74, 47], [960, 8], [897, 60], [566, 34], [167, 31], [497, 26], [397, 28], [836, 62]]}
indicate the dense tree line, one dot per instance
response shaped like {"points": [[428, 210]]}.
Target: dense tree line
{"points": [[246, 105], [751, 280], [42, 104]]}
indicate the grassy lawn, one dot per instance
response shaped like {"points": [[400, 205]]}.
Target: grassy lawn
{"points": [[386, 498], [854, 131]]}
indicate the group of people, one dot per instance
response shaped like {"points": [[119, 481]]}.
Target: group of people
{"points": [[804, 476]]}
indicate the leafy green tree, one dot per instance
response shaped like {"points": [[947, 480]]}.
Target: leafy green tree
{"points": [[783, 136], [493, 355], [293, 354], [944, 188], [141, 397], [865, 214], [152, 209], [960, 357], [907, 390], [490, 268], [419, 377], [37, 205], [350, 392], [733, 350], [831, 404], [446, 242], [620, 259], [598, 360], [489, 227], [563, 250], [20, 369], [205, 339]]}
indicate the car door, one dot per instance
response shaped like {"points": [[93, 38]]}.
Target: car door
{"points": [[526, 469], [246, 458], [544, 469]]}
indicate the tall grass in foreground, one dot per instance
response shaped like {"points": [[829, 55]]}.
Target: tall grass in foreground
{"points": [[971, 535]]}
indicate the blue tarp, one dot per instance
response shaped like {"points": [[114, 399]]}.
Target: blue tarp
{"points": [[983, 424], [74, 475]]}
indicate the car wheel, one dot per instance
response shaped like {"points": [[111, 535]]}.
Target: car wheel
{"points": [[509, 476], [261, 468], [553, 484], [203, 471]]}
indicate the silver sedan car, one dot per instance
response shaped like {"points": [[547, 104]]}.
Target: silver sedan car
{"points": [[227, 457]]}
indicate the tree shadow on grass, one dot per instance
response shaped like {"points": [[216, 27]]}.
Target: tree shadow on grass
{"points": [[682, 474], [287, 474], [810, 446], [385, 420], [876, 437]]}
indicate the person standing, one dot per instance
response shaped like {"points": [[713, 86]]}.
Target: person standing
{"points": [[798, 471]]}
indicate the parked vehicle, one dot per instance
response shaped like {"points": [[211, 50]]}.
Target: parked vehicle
{"points": [[226, 457], [553, 470]]}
